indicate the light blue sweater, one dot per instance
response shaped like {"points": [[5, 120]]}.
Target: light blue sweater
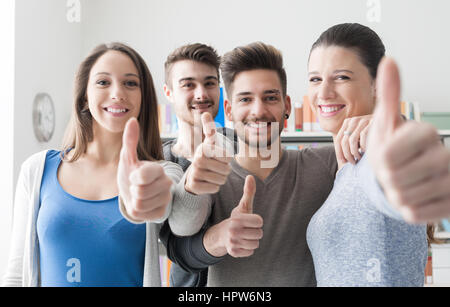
{"points": [[357, 239]]}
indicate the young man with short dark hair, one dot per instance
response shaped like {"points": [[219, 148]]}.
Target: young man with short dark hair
{"points": [[192, 85]]}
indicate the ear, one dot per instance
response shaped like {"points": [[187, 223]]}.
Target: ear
{"points": [[168, 92], [227, 108], [287, 105]]}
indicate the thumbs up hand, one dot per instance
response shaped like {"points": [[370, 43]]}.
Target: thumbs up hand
{"points": [[409, 161], [238, 235], [143, 185], [211, 164]]}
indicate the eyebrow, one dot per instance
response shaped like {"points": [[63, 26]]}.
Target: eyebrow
{"points": [[126, 75], [272, 91], [334, 72], [192, 79]]}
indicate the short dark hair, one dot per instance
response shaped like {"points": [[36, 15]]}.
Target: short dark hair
{"points": [[256, 55], [196, 52], [362, 39]]}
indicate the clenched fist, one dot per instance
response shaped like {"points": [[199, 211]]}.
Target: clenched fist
{"points": [[143, 185]]}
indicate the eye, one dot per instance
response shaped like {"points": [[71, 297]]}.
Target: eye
{"points": [[315, 79], [131, 83], [342, 77], [245, 99], [271, 98], [102, 82], [188, 85], [211, 84]]}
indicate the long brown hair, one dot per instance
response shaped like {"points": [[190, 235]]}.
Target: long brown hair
{"points": [[79, 131]]}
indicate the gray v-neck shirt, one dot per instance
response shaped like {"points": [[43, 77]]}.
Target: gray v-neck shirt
{"points": [[286, 200]]}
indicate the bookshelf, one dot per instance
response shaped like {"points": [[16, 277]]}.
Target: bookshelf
{"points": [[299, 137]]}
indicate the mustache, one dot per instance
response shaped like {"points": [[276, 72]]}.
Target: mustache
{"points": [[260, 119], [197, 102]]}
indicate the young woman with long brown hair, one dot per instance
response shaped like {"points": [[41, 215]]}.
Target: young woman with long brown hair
{"points": [[68, 229]]}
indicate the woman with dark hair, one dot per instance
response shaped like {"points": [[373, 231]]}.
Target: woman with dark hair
{"points": [[356, 238], [68, 229]]}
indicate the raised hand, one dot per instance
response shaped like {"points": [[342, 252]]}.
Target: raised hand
{"points": [[409, 161], [351, 141], [143, 185], [211, 165], [238, 235]]}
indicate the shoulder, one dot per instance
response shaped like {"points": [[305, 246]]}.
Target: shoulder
{"points": [[323, 156], [36, 160]]}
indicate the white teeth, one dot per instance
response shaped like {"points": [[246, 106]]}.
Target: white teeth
{"points": [[116, 110], [259, 125], [330, 109]]}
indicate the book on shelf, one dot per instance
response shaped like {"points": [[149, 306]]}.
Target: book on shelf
{"points": [[410, 110], [165, 265]]}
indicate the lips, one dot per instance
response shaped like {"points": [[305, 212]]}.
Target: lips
{"points": [[331, 109], [116, 110], [201, 106], [258, 127]]}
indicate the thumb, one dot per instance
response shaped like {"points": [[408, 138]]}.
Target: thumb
{"points": [[387, 116], [130, 140], [246, 203], [209, 127]]}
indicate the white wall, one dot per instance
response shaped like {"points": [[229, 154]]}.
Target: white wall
{"points": [[6, 126], [415, 32], [47, 54]]}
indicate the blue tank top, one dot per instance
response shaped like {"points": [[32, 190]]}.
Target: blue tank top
{"points": [[85, 242]]}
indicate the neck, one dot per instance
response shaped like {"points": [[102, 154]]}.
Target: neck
{"points": [[189, 138], [105, 147], [258, 161]]}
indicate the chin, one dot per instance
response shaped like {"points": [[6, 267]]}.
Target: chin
{"points": [[330, 126]]}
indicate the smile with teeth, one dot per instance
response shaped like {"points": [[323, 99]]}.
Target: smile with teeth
{"points": [[258, 125], [330, 109], [116, 110]]}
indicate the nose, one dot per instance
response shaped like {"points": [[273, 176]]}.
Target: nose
{"points": [[118, 93], [326, 91], [200, 93], [258, 108]]}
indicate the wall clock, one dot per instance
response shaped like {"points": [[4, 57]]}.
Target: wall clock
{"points": [[43, 117]]}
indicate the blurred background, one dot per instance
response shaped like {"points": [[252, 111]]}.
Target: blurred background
{"points": [[44, 41]]}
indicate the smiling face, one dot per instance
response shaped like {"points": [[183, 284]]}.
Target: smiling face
{"points": [[258, 105], [340, 86], [113, 92], [194, 89]]}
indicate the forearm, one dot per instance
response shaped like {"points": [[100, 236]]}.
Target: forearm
{"points": [[374, 191], [188, 252], [189, 212], [212, 241]]}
